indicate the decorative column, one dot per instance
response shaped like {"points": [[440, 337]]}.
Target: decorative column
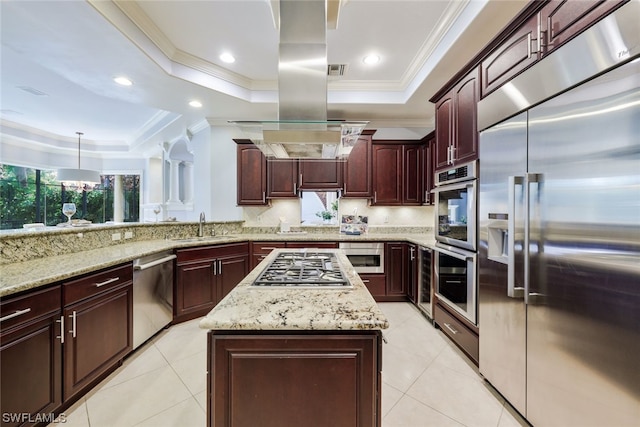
{"points": [[188, 182], [118, 199], [174, 181]]}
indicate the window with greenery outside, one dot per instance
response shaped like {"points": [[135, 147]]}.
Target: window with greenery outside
{"points": [[31, 196]]}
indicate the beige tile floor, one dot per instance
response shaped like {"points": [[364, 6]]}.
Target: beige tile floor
{"points": [[426, 382]]}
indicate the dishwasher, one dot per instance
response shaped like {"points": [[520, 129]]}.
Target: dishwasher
{"points": [[152, 295]]}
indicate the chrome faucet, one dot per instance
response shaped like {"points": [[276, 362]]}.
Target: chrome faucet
{"points": [[201, 225]]}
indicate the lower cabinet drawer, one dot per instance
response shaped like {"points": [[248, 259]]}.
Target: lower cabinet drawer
{"points": [[93, 284], [375, 283], [462, 336], [18, 310]]}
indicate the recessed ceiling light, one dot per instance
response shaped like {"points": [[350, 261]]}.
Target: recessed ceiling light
{"points": [[123, 81], [195, 104], [228, 58], [371, 59]]}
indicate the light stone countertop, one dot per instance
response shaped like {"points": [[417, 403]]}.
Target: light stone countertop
{"points": [[20, 276], [249, 307]]}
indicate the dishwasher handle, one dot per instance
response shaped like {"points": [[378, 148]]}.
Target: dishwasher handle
{"points": [[154, 263]]}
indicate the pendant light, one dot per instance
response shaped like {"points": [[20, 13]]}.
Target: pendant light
{"points": [[79, 179]]}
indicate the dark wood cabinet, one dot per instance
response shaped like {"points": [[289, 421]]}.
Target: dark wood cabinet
{"points": [[251, 175], [357, 169], [517, 53], [292, 379], [282, 179], [396, 269], [466, 338], [412, 189], [376, 284], [387, 174], [31, 354], [320, 175], [456, 123], [428, 168], [204, 275], [397, 174], [93, 305], [561, 20], [260, 250]]}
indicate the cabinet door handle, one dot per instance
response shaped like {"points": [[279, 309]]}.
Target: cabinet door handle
{"points": [[106, 282], [295, 188], [375, 197], [219, 266], [214, 265], [451, 328], [73, 324], [264, 197], [453, 154], [61, 321], [16, 314], [365, 281]]}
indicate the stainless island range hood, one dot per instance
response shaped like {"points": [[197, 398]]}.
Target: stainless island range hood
{"points": [[302, 129]]}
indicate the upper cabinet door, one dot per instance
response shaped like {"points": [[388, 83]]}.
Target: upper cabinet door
{"points": [[387, 170], [252, 175], [560, 20], [513, 56], [320, 175], [357, 170], [282, 179], [465, 120], [412, 174], [444, 131]]}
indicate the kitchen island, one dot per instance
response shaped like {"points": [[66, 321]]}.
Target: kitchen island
{"points": [[292, 356]]}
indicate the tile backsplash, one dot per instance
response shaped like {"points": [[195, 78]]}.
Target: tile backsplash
{"points": [[379, 216]]}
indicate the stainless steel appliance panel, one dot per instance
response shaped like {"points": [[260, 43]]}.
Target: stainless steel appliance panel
{"points": [[502, 315], [152, 295], [425, 282], [560, 242], [456, 206], [456, 280], [584, 291]]}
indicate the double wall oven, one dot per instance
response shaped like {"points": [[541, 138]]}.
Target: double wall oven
{"points": [[455, 254]]}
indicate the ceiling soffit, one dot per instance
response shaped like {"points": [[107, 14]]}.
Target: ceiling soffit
{"points": [[130, 19]]}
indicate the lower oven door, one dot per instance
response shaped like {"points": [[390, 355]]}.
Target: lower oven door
{"points": [[455, 278]]}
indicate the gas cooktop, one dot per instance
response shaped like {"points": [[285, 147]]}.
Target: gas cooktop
{"points": [[303, 269]]}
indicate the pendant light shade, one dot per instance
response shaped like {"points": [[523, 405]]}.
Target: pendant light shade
{"points": [[78, 178]]}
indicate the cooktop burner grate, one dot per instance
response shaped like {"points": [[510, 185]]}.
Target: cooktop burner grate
{"points": [[303, 268]]}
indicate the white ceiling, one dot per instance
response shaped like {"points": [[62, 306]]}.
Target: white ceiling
{"points": [[72, 50]]}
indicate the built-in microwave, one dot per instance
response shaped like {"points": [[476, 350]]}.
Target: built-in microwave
{"points": [[366, 257], [456, 206], [455, 278]]}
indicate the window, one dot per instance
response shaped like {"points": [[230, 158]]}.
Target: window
{"points": [[31, 195], [318, 207]]}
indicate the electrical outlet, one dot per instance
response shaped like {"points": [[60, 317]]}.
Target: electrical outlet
{"points": [[386, 219], [116, 236], [128, 234]]}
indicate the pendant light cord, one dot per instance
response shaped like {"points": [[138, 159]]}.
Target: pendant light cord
{"points": [[79, 134]]}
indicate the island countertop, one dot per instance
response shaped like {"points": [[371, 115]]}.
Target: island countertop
{"points": [[249, 307]]}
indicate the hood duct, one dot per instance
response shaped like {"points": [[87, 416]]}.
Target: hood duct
{"points": [[302, 129]]}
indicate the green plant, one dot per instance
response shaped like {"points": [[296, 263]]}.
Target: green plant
{"points": [[328, 214]]}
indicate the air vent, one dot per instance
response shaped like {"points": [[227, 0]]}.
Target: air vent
{"points": [[336, 70], [32, 91]]}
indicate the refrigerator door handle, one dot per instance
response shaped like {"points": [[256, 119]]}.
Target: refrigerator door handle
{"points": [[513, 291], [533, 201]]}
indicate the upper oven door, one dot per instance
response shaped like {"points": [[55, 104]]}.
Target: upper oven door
{"points": [[456, 213]]}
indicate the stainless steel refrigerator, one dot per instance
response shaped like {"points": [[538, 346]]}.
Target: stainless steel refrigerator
{"points": [[559, 239]]}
